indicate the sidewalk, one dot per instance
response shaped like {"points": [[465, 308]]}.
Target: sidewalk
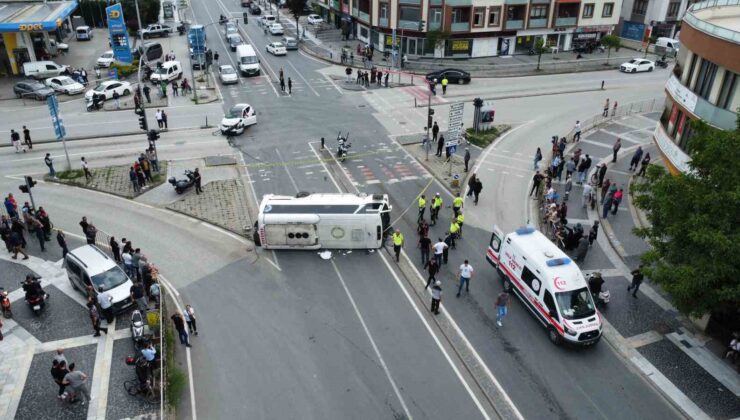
{"points": [[648, 330]]}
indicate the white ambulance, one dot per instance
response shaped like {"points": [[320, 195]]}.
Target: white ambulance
{"points": [[548, 282]]}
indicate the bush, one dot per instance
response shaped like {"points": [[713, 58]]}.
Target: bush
{"points": [[485, 137], [125, 70], [73, 174]]}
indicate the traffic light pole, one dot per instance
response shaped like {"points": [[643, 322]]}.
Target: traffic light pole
{"points": [[29, 187], [152, 144], [429, 120]]}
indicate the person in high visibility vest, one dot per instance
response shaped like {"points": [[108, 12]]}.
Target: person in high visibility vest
{"points": [[460, 220], [436, 205], [454, 231], [422, 208], [444, 84], [397, 243], [457, 204]]}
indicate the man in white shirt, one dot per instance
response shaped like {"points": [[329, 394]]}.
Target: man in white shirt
{"points": [[586, 194], [439, 249], [105, 301], [577, 129], [465, 272], [85, 168]]}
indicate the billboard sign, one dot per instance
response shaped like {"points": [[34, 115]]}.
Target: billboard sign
{"points": [[118, 34]]}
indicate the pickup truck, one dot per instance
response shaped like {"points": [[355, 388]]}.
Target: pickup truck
{"points": [[155, 30]]}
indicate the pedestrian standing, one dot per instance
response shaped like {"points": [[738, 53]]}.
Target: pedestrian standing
{"points": [[606, 108], [436, 297], [582, 249], [644, 164], [577, 134], [593, 233], [477, 188], [536, 184], [15, 139], [179, 322], [449, 239], [197, 177], [164, 119], [425, 245], [604, 189], [570, 167], [617, 200], [637, 278], [83, 74], [290, 86], [146, 94], [152, 156], [387, 74], [154, 292], [457, 205], [62, 241], [503, 303], [432, 267], [116, 99], [636, 157], [554, 165], [615, 149], [586, 197], [614, 109], [466, 159], [583, 168], [439, 249], [27, 137], [422, 203], [95, 318], [58, 372], [105, 301], [136, 262], [85, 169], [465, 272], [50, 164], [471, 183], [189, 315], [397, 243], [128, 265], [77, 382], [215, 57], [139, 296], [163, 88], [602, 173], [282, 84], [444, 84], [435, 131], [607, 205], [115, 249], [440, 145], [174, 88], [38, 230], [134, 180]]}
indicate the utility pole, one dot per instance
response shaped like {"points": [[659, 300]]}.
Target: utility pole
{"points": [[152, 144], [430, 112]]}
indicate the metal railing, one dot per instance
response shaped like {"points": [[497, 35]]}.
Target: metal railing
{"points": [[710, 28], [649, 105]]}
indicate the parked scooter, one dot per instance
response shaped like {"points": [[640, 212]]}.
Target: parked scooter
{"points": [[343, 146], [138, 327], [599, 293], [183, 184], [662, 62], [5, 303]]}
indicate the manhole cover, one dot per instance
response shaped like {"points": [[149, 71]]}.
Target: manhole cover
{"points": [[220, 160]]}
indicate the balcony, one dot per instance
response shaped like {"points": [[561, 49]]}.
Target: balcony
{"points": [[459, 3], [514, 24], [711, 114], [566, 21], [365, 17], [435, 26], [537, 23], [460, 27], [412, 25], [517, 2], [383, 22]]}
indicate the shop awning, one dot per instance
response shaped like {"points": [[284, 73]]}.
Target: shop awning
{"points": [[34, 16]]}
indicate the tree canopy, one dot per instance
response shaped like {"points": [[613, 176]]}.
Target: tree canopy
{"points": [[695, 224], [296, 8], [609, 42]]}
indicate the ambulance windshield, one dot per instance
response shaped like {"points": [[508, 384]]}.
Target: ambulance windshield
{"points": [[575, 304]]}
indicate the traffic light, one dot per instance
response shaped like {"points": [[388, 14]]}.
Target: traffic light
{"points": [[28, 185], [23, 188], [245, 18], [142, 118], [152, 135], [429, 117], [422, 25]]}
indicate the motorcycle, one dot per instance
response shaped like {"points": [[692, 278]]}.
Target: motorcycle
{"points": [[36, 300], [138, 328], [343, 146], [183, 184], [662, 62], [94, 103], [5, 303]]}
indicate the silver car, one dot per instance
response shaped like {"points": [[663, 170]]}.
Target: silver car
{"points": [[227, 74], [290, 43]]}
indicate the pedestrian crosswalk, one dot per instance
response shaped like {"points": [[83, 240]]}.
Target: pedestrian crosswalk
{"points": [[263, 85]]}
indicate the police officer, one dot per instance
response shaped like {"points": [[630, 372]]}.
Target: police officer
{"points": [[436, 205], [457, 204], [444, 84], [422, 208], [460, 220], [454, 232], [397, 243]]}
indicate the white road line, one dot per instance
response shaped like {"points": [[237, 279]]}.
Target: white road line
{"points": [[372, 342], [282, 161], [434, 336], [276, 263], [326, 169], [304, 79]]}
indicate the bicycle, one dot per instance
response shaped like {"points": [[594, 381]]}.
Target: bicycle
{"points": [[146, 390]]}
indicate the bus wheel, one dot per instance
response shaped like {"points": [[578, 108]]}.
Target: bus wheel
{"points": [[256, 239], [553, 335]]}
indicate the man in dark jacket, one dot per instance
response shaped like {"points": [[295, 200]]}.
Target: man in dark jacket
{"points": [[440, 145]]}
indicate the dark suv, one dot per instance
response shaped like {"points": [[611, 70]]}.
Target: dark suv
{"points": [[254, 9]]}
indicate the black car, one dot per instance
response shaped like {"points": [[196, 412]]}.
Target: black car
{"points": [[453, 76], [254, 9], [32, 89]]}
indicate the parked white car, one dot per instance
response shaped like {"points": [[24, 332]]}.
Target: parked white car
{"points": [[227, 74], [276, 29], [107, 88], [65, 84], [106, 59], [276, 48], [314, 19], [637, 64], [238, 118]]}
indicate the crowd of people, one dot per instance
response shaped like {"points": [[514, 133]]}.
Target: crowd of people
{"points": [[18, 222], [140, 173]]}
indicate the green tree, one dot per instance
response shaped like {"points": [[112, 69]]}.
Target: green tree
{"points": [[539, 48], [296, 8], [610, 41], [695, 224], [438, 37]]}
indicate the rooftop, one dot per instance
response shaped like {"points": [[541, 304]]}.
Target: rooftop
{"points": [[46, 14], [719, 18]]}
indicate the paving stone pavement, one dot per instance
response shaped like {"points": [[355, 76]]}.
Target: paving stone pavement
{"points": [[223, 203], [114, 180]]}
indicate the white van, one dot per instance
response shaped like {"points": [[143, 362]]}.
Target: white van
{"points": [[667, 45], [549, 283], [267, 20], [246, 58], [89, 266], [84, 33], [169, 71], [44, 69]]}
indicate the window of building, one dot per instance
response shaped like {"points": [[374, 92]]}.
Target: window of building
{"points": [[383, 10], [494, 16], [608, 10], [364, 6], [673, 9], [727, 91], [692, 67], [705, 78], [461, 15], [640, 7], [478, 17], [676, 123], [538, 11], [409, 13], [588, 10]]}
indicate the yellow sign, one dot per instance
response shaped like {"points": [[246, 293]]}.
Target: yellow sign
{"points": [[389, 40], [31, 27], [114, 14], [460, 45]]}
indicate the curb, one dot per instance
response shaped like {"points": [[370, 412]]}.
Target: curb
{"points": [[109, 135]]}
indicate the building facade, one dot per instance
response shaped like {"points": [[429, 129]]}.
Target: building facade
{"points": [[705, 84], [472, 28], [656, 18]]}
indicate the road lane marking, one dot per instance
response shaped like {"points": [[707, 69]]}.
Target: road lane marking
{"points": [[326, 169], [434, 336], [303, 78], [287, 170], [372, 342]]}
